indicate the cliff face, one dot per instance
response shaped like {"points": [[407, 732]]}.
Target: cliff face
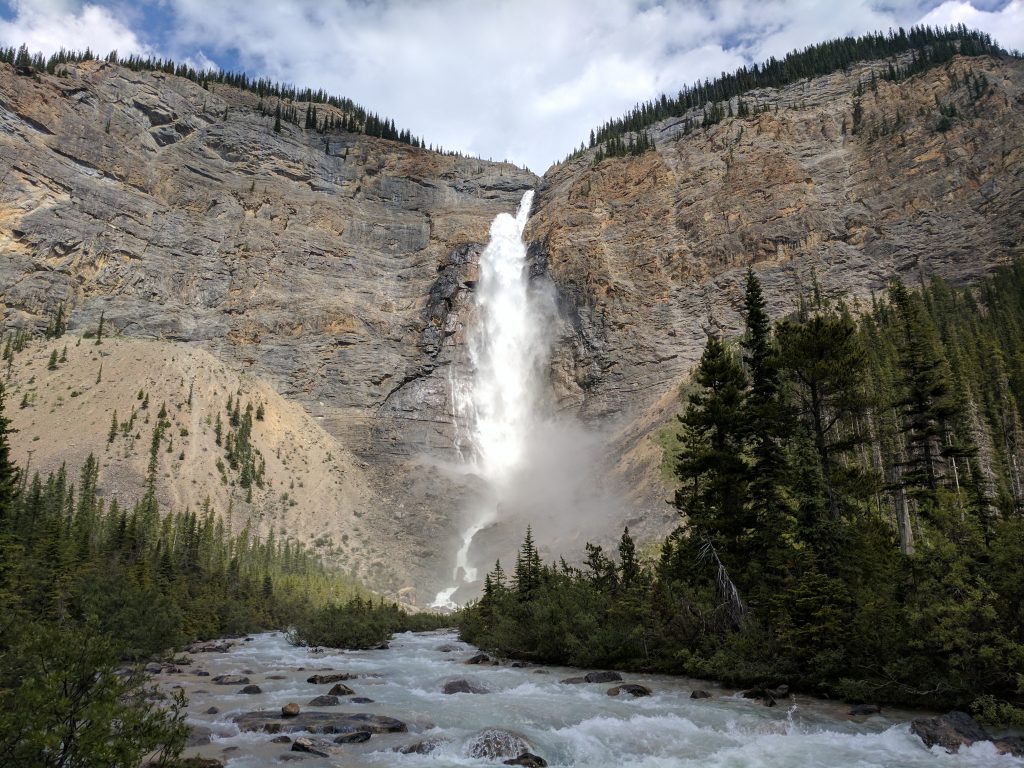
{"points": [[331, 266], [338, 269], [650, 252]]}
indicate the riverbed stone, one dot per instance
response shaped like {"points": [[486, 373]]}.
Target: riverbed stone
{"points": [[291, 709], [319, 722], [698, 694], [361, 700], [633, 689], [230, 680], [480, 658], [602, 677], [423, 746], [302, 744], [213, 711], [573, 680], [251, 689], [198, 735], [529, 760], [860, 710], [462, 685], [340, 689], [497, 744], [1010, 745], [281, 740], [324, 701], [356, 737], [336, 677], [950, 731]]}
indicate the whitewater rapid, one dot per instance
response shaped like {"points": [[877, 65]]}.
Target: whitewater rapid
{"points": [[568, 725]]}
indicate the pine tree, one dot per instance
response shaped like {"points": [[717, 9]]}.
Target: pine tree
{"points": [[712, 465], [52, 364], [112, 434]]}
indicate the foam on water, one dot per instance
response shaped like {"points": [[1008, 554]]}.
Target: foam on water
{"points": [[569, 725]]}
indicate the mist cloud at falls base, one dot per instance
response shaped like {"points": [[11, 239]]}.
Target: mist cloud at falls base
{"points": [[533, 466]]}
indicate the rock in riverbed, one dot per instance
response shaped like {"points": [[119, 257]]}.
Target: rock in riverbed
{"points": [[462, 685], [319, 722], [332, 678], [602, 677], [324, 701], [497, 744], [230, 680], [633, 689], [529, 760], [950, 731], [340, 689]]}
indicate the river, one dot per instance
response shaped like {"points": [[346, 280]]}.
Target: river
{"points": [[568, 725]]}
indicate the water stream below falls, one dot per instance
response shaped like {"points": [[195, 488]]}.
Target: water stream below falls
{"points": [[567, 725]]}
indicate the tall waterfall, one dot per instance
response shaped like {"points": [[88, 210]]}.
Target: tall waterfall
{"points": [[496, 404]]}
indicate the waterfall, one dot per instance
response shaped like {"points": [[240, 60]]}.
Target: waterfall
{"points": [[496, 404]]}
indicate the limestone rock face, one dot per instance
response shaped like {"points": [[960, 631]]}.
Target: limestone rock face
{"points": [[649, 253], [333, 266]]}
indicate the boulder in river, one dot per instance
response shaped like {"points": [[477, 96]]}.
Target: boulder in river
{"points": [[251, 689], [303, 744], [324, 701], [281, 740], [497, 744], [480, 658], [198, 735], [213, 711], [462, 685], [291, 709], [230, 680], [573, 680], [602, 677], [633, 689], [1010, 745], [361, 700], [949, 731], [423, 746], [356, 737], [277, 677], [340, 689], [859, 710], [700, 695], [332, 678], [529, 760], [319, 722]]}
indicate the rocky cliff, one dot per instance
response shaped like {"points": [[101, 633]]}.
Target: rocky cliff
{"points": [[649, 252], [332, 267], [337, 270]]}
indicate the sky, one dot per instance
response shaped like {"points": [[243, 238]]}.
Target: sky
{"points": [[517, 80]]}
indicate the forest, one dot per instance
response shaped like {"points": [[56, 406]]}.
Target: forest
{"points": [[850, 500], [90, 589], [909, 53], [354, 119]]}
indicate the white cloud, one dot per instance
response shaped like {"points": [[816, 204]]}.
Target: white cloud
{"points": [[1006, 25], [523, 80], [49, 25]]}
